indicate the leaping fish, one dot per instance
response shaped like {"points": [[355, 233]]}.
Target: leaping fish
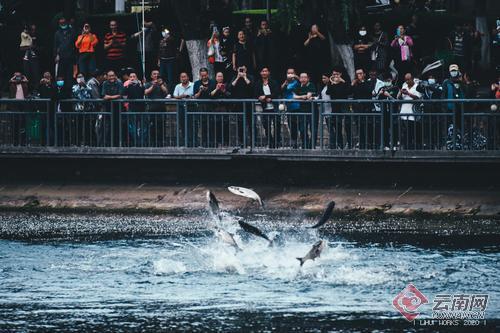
{"points": [[213, 204], [326, 215], [313, 253], [247, 193], [254, 230], [227, 238]]}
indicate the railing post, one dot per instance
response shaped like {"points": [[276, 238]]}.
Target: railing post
{"points": [[462, 125], [47, 130], [382, 120], [454, 129], [245, 125], [177, 128], [391, 125], [55, 124], [321, 129], [186, 109], [252, 124], [112, 124], [119, 125], [313, 125]]}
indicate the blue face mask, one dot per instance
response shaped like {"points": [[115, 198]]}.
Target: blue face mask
{"points": [[60, 84], [64, 27]]}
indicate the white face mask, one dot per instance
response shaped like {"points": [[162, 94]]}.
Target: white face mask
{"points": [[454, 73], [164, 34], [431, 81], [80, 80], [362, 32], [388, 83]]}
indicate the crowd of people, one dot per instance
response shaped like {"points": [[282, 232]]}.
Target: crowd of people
{"points": [[244, 68]]}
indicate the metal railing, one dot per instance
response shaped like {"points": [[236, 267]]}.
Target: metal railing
{"points": [[432, 125]]}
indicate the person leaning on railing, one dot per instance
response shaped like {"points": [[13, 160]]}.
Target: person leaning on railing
{"points": [[155, 89], [201, 90], [266, 89], [80, 124], [138, 124], [388, 91], [434, 127], [184, 90], [18, 89], [362, 90], [454, 88], [411, 124], [18, 86], [112, 89], [304, 92], [219, 126], [241, 87], [338, 89]]}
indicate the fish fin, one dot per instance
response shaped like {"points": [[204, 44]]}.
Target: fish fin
{"points": [[301, 261]]}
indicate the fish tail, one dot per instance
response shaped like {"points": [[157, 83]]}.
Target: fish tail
{"points": [[301, 261]]}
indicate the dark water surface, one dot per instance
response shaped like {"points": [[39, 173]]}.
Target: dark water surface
{"points": [[112, 273]]}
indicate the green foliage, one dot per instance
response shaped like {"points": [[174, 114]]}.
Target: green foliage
{"points": [[254, 12], [289, 13]]}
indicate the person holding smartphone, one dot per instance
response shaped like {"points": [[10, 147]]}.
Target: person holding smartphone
{"points": [[404, 45], [86, 43]]}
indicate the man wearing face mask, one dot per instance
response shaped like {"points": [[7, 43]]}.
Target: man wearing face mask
{"points": [[453, 88], [431, 90], [361, 48], [64, 50], [82, 92], [287, 88]]}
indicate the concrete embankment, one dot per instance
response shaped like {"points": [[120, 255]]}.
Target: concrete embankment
{"points": [[179, 199]]}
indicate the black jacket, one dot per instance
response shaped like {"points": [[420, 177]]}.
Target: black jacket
{"points": [[273, 86], [64, 43]]}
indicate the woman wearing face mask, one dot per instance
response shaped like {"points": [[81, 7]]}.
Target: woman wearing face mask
{"points": [[453, 88], [82, 92], [361, 48], [403, 45], [86, 43]]}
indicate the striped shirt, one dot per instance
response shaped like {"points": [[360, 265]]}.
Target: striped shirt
{"points": [[117, 49]]}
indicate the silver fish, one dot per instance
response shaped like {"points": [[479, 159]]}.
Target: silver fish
{"points": [[227, 238], [213, 204], [314, 253], [326, 215], [247, 193]]}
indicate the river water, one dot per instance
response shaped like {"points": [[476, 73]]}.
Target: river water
{"points": [[111, 273]]}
